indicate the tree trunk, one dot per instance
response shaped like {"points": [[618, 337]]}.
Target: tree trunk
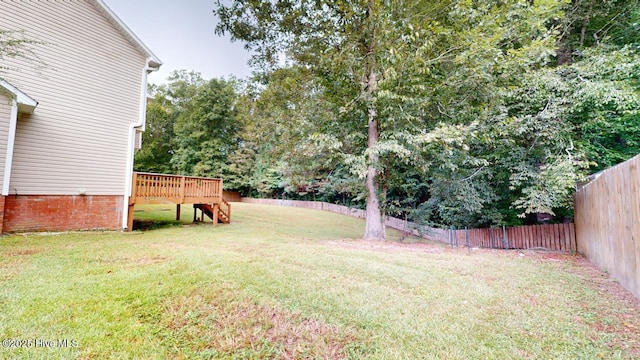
{"points": [[374, 227]]}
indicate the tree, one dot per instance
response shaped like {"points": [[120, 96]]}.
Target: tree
{"points": [[275, 154], [600, 45], [206, 130], [191, 126], [386, 64], [158, 137]]}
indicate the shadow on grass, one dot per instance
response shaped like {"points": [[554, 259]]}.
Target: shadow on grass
{"points": [[144, 225]]}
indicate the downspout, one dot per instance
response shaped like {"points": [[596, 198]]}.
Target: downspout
{"points": [[8, 160], [131, 142]]}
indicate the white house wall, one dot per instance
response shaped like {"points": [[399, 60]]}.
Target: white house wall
{"points": [[88, 93]]}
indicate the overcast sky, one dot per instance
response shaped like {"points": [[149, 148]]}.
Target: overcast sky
{"points": [[181, 34]]}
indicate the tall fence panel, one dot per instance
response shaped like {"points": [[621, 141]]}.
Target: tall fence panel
{"points": [[554, 237], [607, 217]]}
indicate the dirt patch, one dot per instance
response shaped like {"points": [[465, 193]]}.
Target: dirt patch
{"points": [[598, 280], [25, 252], [230, 325]]}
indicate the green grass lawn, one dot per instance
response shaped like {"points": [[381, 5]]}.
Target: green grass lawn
{"points": [[293, 283]]}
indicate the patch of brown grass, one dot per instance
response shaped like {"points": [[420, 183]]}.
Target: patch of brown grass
{"points": [[622, 322], [136, 261], [25, 252], [221, 323], [13, 263]]}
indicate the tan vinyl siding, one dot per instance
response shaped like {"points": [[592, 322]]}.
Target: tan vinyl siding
{"points": [[88, 94], [5, 118]]}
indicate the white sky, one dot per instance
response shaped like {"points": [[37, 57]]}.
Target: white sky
{"points": [[181, 34]]}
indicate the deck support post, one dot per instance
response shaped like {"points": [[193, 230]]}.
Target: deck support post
{"points": [[132, 201], [177, 212], [130, 217], [216, 208]]}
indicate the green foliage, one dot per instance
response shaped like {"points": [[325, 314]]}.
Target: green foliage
{"points": [[592, 23], [191, 127], [157, 150], [206, 134], [606, 103], [429, 74], [15, 45], [482, 112]]}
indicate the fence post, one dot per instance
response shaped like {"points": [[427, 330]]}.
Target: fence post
{"points": [[451, 236], [504, 238], [456, 236], [491, 234], [466, 236]]}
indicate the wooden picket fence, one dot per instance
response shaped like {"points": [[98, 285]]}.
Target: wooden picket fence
{"points": [[553, 237]]}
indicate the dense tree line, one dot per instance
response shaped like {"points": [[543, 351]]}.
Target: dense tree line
{"points": [[444, 112]]}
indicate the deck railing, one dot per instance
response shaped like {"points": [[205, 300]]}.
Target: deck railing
{"points": [[177, 189]]}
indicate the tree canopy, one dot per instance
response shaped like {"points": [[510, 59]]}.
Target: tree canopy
{"points": [[464, 113]]}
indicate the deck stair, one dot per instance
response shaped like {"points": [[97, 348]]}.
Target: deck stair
{"points": [[222, 210]]}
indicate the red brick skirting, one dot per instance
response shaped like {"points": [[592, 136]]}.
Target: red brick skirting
{"points": [[61, 212], [1, 212]]}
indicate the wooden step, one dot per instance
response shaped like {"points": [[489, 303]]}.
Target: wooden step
{"points": [[209, 210]]}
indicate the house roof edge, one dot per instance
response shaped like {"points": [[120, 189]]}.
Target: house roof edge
{"points": [[154, 61]]}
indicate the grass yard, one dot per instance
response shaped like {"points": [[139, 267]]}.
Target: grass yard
{"points": [[291, 283]]}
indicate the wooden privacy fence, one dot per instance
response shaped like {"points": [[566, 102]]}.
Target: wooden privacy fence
{"points": [[554, 237], [607, 215]]}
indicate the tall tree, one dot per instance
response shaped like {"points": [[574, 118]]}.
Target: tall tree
{"points": [[385, 63], [306, 30], [206, 131]]}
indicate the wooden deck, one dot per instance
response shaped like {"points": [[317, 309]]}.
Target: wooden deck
{"points": [[204, 193]]}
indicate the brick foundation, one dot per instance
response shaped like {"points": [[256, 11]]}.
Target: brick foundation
{"points": [[61, 212], [1, 212]]}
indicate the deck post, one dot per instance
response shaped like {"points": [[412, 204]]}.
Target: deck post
{"points": [[132, 201], [177, 212], [130, 217], [216, 208]]}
